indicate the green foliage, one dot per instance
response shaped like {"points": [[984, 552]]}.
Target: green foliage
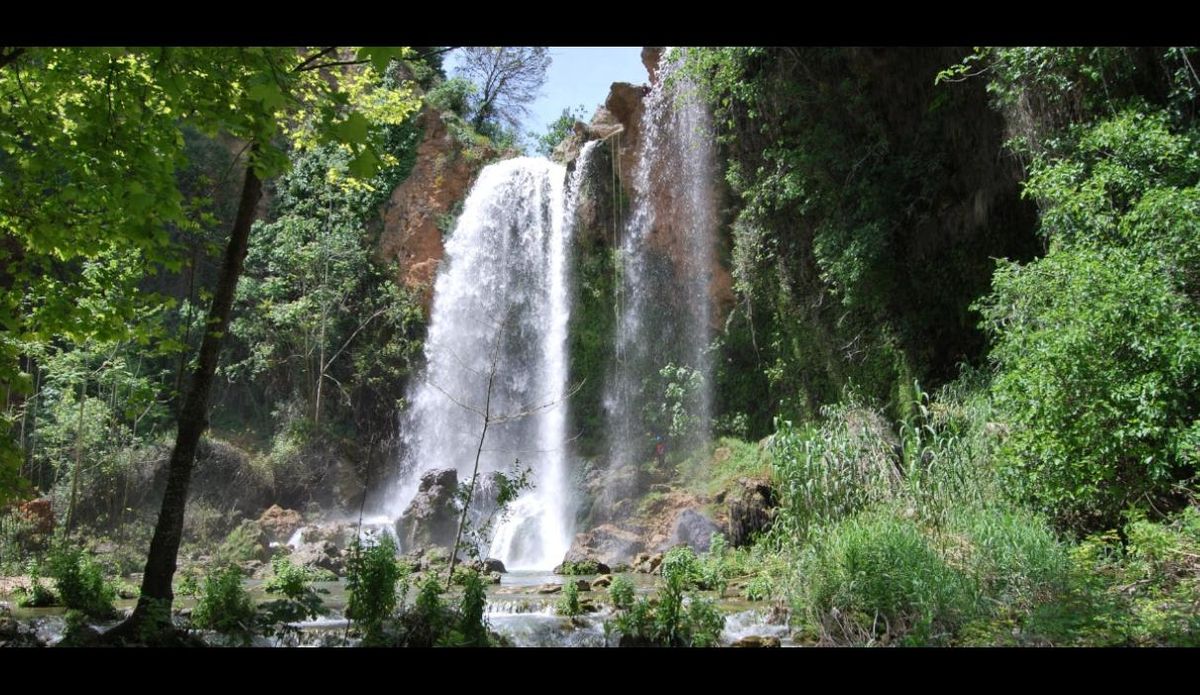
{"points": [[472, 626], [568, 603], [672, 410], [246, 542], [453, 95], [225, 606], [571, 568], [297, 599], [37, 595], [872, 576], [833, 470], [676, 619], [621, 592], [80, 581], [371, 577], [1098, 372], [846, 165], [759, 588], [319, 322], [589, 337], [1015, 558], [558, 130], [17, 535], [98, 195], [729, 460]]}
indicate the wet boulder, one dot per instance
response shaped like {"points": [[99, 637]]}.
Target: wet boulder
{"points": [[432, 517], [606, 544], [694, 530], [751, 509]]}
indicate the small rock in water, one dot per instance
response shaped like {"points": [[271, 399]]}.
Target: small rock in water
{"points": [[583, 585], [757, 641], [602, 582], [549, 589], [494, 577]]}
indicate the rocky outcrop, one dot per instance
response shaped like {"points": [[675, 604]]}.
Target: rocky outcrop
{"points": [[693, 529], [418, 209], [750, 508], [279, 523], [606, 544], [756, 641], [431, 518], [320, 555], [650, 58]]}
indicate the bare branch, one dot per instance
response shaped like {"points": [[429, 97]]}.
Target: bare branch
{"points": [[313, 58], [334, 64]]}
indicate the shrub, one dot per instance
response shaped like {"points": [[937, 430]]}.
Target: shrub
{"points": [[225, 606], [298, 600], [371, 577], [246, 542], [1099, 371], [677, 620], [80, 582], [472, 626], [621, 592], [568, 603], [38, 595], [1015, 558], [873, 576], [832, 470]]}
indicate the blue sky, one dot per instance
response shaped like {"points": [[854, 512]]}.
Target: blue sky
{"points": [[579, 76]]}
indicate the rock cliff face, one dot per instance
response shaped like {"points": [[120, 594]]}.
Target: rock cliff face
{"points": [[604, 202], [425, 203]]}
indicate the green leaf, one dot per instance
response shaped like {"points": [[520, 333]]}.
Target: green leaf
{"points": [[365, 164]]}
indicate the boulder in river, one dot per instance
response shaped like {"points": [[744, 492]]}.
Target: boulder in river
{"points": [[432, 517]]}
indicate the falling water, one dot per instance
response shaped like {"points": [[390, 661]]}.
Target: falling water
{"points": [[667, 255], [500, 312]]}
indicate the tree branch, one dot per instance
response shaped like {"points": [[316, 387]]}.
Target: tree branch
{"points": [[333, 64], [314, 57], [10, 56]]}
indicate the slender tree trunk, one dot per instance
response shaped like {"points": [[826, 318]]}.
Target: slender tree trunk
{"points": [[78, 458], [462, 519], [154, 604]]}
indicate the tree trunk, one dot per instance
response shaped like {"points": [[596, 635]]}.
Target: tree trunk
{"points": [[154, 604], [78, 458]]}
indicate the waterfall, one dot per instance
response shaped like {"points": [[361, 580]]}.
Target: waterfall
{"points": [[666, 260], [500, 310]]}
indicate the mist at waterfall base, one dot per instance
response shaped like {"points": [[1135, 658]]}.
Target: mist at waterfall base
{"points": [[500, 312]]}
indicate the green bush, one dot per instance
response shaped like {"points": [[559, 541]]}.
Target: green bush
{"points": [[80, 582], [246, 542], [874, 577], [832, 470], [621, 592], [1014, 557], [568, 603], [38, 595], [297, 601], [472, 626], [676, 620], [225, 606], [453, 95], [1099, 380], [371, 577]]}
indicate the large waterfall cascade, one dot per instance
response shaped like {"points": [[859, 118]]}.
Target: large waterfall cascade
{"points": [[501, 306], [667, 255]]}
